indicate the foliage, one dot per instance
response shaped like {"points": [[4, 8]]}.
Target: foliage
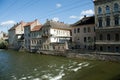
{"points": [[3, 44]]}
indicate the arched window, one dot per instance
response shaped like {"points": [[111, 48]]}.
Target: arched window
{"points": [[99, 10], [116, 7], [101, 37], [108, 36], [107, 9]]}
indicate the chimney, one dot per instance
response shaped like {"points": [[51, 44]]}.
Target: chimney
{"points": [[84, 16], [36, 20]]}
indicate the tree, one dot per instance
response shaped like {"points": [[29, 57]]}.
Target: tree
{"points": [[3, 44]]}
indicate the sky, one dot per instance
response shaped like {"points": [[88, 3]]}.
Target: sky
{"points": [[67, 11]]}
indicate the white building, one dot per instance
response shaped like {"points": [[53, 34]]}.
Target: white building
{"points": [[55, 35]]}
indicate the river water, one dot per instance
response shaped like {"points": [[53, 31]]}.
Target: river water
{"points": [[26, 66]]}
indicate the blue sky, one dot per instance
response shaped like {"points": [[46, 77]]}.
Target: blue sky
{"points": [[68, 11]]}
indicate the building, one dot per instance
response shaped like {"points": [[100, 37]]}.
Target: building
{"points": [[36, 38], [14, 35], [55, 35], [107, 20], [83, 33], [27, 32]]}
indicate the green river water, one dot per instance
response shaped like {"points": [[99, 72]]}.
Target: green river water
{"points": [[26, 66]]}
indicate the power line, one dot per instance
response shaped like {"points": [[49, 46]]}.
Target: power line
{"points": [[65, 10]]}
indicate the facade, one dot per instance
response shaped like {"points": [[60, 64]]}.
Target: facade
{"points": [[50, 36], [36, 38], [14, 35], [27, 32], [107, 20], [55, 35], [83, 33]]}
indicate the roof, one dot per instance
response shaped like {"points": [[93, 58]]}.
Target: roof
{"points": [[12, 28], [85, 21], [16, 25], [37, 28], [58, 25], [29, 23]]}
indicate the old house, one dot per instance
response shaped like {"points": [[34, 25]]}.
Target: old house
{"points": [[83, 33]]}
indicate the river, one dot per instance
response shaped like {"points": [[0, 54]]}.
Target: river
{"points": [[26, 66]]}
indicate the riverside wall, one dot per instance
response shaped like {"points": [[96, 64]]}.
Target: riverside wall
{"points": [[90, 55]]}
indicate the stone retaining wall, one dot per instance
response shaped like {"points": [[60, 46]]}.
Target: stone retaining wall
{"points": [[89, 55]]}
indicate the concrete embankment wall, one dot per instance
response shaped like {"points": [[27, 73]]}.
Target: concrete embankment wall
{"points": [[87, 55]]}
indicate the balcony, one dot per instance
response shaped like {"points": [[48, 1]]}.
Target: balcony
{"points": [[112, 42]]}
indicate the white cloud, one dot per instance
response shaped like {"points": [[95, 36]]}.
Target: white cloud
{"points": [[10, 22], [58, 5], [55, 19], [87, 12], [73, 17]]}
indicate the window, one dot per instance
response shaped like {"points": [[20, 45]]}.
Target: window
{"points": [[108, 36], [78, 30], [100, 22], [85, 39], [101, 48], [89, 29], [117, 37], [94, 29], [99, 10], [74, 30], [117, 49], [116, 20], [109, 48], [89, 39], [108, 21], [101, 37], [107, 9], [84, 30], [116, 7]]}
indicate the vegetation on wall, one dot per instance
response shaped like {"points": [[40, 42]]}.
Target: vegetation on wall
{"points": [[3, 44]]}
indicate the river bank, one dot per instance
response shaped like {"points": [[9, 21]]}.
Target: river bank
{"points": [[90, 55]]}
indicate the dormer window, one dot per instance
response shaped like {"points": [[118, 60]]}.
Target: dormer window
{"points": [[107, 9], [116, 7], [99, 10]]}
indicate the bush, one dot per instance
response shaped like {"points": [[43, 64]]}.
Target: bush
{"points": [[3, 44]]}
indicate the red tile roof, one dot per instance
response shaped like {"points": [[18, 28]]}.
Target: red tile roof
{"points": [[37, 28]]}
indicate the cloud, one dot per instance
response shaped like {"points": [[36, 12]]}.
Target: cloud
{"points": [[10, 22], [55, 19], [73, 17], [58, 5], [87, 12]]}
